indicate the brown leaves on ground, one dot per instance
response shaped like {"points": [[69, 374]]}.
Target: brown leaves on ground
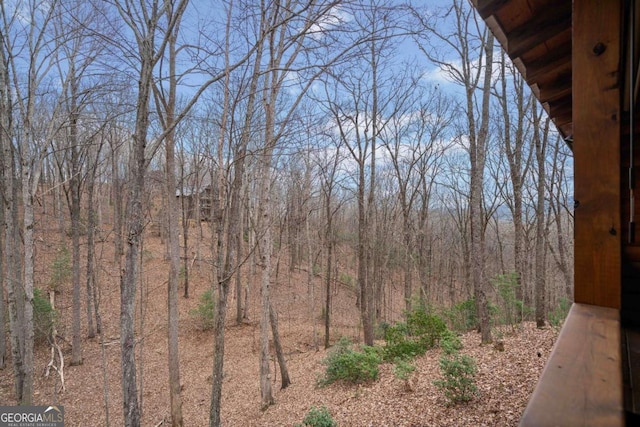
{"points": [[505, 379]]}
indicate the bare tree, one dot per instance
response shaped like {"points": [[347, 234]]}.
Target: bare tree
{"points": [[561, 212], [288, 40], [414, 141], [467, 37], [540, 140], [26, 30], [149, 53], [6, 199], [518, 156], [165, 101], [77, 53]]}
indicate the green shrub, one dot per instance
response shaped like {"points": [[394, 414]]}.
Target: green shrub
{"points": [[347, 280], [526, 310], [458, 371], [450, 342], [381, 330], [462, 316], [60, 269], [426, 327], [402, 369], [408, 340], [506, 285], [344, 363], [44, 317], [559, 313], [204, 313], [318, 417], [458, 384], [399, 345]]}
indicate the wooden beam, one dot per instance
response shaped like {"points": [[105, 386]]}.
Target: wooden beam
{"points": [[487, 8], [555, 19], [559, 88], [558, 61], [596, 127], [581, 384]]}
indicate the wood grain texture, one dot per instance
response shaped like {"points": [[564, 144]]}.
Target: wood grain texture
{"points": [[581, 385], [596, 125]]}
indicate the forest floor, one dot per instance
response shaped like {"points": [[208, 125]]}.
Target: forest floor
{"points": [[92, 395]]}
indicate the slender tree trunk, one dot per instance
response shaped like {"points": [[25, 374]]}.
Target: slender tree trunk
{"points": [[75, 189], [238, 277], [173, 241], [284, 372], [172, 291], [408, 262], [266, 247], [327, 279], [477, 156], [540, 262], [12, 252], [28, 275], [6, 176], [91, 275], [117, 197], [3, 345], [514, 149], [135, 223], [233, 230], [311, 292]]}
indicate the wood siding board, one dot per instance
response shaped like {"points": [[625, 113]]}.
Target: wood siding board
{"points": [[581, 384], [596, 126]]}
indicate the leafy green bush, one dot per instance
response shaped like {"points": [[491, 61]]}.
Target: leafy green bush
{"points": [[462, 316], [458, 371], [457, 384], [425, 326], [403, 369], [400, 345], [450, 342], [318, 417], [205, 311], [344, 363], [60, 269], [381, 330], [44, 317], [347, 280], [507, 284], [559, 313], [420, 333]]}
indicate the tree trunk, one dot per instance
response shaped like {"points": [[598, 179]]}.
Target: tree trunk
{"points": [[117, 197], [172, 286], [540, 262], [327, 279], [408, 262], [28, 271], [3, 345], [238, 277], [91, 275], [477, 152], [6, 175], [173, 227], [134, 226], [75, 189], [266, 247], [284, 372]]}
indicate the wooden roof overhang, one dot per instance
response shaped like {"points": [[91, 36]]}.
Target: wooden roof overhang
{"points": [[536, 34]]}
